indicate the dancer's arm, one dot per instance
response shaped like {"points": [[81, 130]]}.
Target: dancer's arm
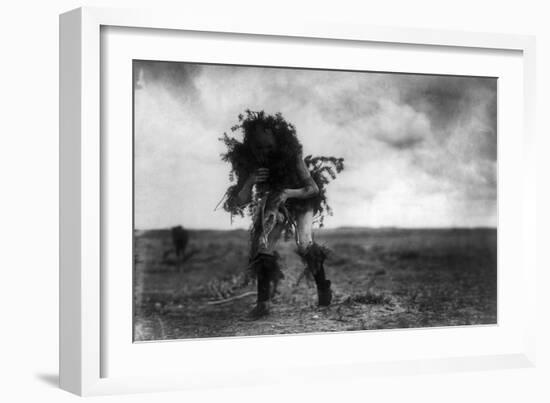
{"points": [[309, 188], [244, 194]]}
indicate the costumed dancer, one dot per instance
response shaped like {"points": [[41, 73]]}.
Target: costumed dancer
{"points": [[284, 194]]}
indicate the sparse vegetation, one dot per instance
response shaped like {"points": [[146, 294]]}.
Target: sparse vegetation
{"points": [[369, 298]]}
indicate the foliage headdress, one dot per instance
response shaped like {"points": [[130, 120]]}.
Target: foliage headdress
{"points": [[282, 167]]}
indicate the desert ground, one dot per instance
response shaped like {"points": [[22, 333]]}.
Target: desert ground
{"points": [[382, 279]]}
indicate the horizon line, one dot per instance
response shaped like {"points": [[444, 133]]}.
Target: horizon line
{"points": [[343, 227]]}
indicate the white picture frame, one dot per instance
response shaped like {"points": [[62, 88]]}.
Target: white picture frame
{"points": [[83, 307]]}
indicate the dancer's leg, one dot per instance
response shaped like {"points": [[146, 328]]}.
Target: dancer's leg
{"points": [[313, 255]]}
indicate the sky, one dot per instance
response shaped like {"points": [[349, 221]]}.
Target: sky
{"points": [[419, 150]]}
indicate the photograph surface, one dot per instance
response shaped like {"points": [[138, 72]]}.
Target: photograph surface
{"points": [[274, 200]]}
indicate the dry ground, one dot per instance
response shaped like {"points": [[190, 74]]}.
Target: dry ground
{"points": [[382, 279]]}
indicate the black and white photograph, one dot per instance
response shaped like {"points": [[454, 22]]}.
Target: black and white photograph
{"points": [[276, 200]]}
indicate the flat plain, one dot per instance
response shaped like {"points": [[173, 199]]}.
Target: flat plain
{"points": [[382, 279]]}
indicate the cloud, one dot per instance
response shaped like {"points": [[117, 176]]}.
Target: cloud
{"points": [[412, 143], [175, 78]]}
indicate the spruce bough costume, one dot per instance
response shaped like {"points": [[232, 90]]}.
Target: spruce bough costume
{"points": [[273, 217]]}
